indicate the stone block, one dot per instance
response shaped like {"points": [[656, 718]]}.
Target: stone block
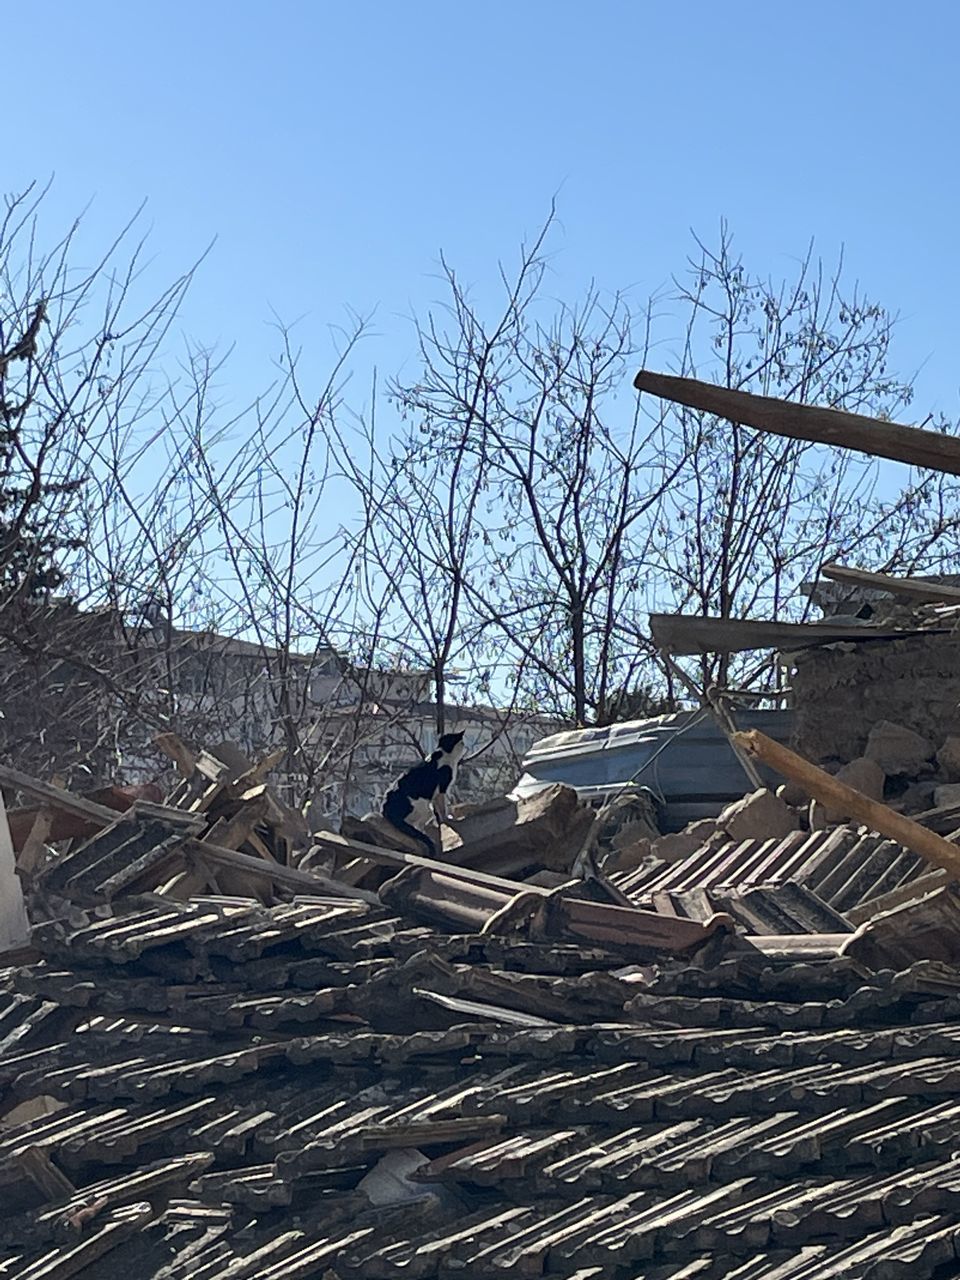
{"points": [[758, 816], [897, 749], [915, 798], [681, 844], [630, 856], [792, 793]]}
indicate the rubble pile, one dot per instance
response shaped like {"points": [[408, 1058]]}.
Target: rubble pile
{"points": [[234, 1048], [334, 1088]]}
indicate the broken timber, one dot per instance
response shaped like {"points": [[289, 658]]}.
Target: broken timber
{"points": [[834, 794], [685, 635], [56, 797], [260, 868], [912, 445], [912, 588]]}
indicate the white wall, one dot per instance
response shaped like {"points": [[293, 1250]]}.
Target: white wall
{"points": [[14, 926]]}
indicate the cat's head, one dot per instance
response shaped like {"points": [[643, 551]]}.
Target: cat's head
{"points": [[451, 743]]}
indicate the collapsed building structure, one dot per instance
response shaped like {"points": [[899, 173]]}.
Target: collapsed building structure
{"points": [[235, 1048]]}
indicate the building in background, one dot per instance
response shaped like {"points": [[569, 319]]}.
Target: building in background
{"points": [[87, 697]]}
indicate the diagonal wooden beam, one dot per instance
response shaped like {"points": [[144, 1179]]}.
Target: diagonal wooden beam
{"points": [[834, 794], [912, 445]]}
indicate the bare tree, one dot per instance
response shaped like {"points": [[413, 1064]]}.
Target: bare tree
{"points": [[77, 356], [169, 563], [519, 413], [163, 565], [421, 536]]}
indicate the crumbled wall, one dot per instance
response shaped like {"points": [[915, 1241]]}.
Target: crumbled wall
{"points": [[841, 691]]}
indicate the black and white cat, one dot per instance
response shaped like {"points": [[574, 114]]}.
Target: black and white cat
{"points": [[419, 797]]}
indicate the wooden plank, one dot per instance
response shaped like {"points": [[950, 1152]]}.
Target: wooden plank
{"points": [[230, 833], [837, 795], [263, 767], [67, 825], [912, 445], [34, 848], [176, 819], [44, 1174], [207, 796], [254, 841], [258, 868], [57, 797], [177, 751], [897, 897], [688, 634], [393, 858], [912, 588]]}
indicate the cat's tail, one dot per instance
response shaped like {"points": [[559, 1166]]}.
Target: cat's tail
{"points": [[421, 837]]}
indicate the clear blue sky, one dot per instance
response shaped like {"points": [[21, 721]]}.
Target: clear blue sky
{"points": [[334, 148]]}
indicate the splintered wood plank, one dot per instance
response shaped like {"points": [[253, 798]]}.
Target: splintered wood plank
{"points": [[837, 795], [177, 751], [341, 845], [34, 848], [288, 877]]}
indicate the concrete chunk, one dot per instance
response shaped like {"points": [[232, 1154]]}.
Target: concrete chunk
{"points": [[506, 837], [897, 749], [948, 794], [681, 844], [758, 816]]}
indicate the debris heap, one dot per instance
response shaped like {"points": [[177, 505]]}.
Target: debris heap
{"points": [[230, 1052], [326, 1087]]}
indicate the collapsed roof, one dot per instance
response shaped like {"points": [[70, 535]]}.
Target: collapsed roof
{"points": [[376, 1064]]}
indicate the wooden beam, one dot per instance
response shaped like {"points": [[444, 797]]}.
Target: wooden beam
{"points": [[52, 1182], [177, 751], [837, 795], [393, 858], [686, 634], [288, 877], [912, 445], [68, 824], [912, 588], [56, 797]]}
